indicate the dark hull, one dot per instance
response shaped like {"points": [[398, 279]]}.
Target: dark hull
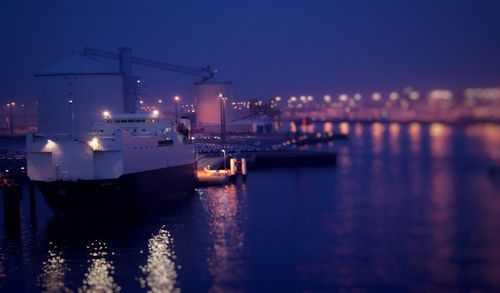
{"points": [[128, 193]]}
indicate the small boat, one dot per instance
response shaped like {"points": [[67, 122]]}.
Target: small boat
{"points": [[206, 176]]}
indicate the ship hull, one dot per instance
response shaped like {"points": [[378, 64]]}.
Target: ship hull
{"points": [[128, 193]]}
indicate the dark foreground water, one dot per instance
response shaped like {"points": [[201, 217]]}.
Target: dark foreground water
{"points": [[409, 207]]}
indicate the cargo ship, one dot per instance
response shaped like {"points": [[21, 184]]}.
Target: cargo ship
{"points": [[128, 161]]}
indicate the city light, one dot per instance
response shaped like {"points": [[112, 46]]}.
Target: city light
{"points": [[441, 94], [414, 95], [393, 96], [376, 96]]}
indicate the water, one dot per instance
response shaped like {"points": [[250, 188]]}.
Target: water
{"points": [[408, 207]]}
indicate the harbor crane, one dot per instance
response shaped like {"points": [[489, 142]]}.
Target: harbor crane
{"points": [[124, 56], [126, 60]]}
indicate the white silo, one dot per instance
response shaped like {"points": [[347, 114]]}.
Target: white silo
{"points": [[208, 104], [73, 93]]}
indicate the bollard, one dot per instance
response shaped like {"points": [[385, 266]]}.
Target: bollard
{"points": [[232, 170], [232, 165]]}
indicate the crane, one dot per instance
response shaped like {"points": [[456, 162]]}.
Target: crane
{"points": [[126, 60]]}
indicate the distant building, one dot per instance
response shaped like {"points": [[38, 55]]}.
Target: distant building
{"points": [[253, 124], [208, 104]]}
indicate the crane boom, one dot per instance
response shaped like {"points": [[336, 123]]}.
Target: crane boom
{"points": [[205, 73]]}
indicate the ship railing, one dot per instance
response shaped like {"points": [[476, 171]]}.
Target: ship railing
{"points": [[64, 136], [38, 137]]}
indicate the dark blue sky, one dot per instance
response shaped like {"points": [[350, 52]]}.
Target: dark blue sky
{"points": [[267, 48]]}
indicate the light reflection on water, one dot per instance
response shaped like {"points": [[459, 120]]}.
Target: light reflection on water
{"points": [[489, 136], [377, 131], [100, 273], [415, 132], [441, 215], [419, 230], [54, 269], [440, 139], [394, 131], [344, 127], [160, 269], [358, 130], [328, 127], [227, 237], [409, 207]]}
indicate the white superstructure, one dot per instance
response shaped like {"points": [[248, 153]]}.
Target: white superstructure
{"points": [[119, 144]]}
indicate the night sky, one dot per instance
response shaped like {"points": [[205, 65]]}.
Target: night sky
{"points": [[267, 48]]}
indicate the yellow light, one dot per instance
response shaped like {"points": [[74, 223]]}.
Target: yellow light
{"points": [[49, 146], [176, 98], [94, 143], [156, 112], [105, 114]]}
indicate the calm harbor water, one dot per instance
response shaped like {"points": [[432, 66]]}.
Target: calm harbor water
{"points": [[408, 207]]}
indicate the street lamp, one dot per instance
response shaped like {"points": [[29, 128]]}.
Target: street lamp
{"points": [[72, 115], [11, 106], [176, 101], [24, 117], [224, 153], [223, 100]]}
